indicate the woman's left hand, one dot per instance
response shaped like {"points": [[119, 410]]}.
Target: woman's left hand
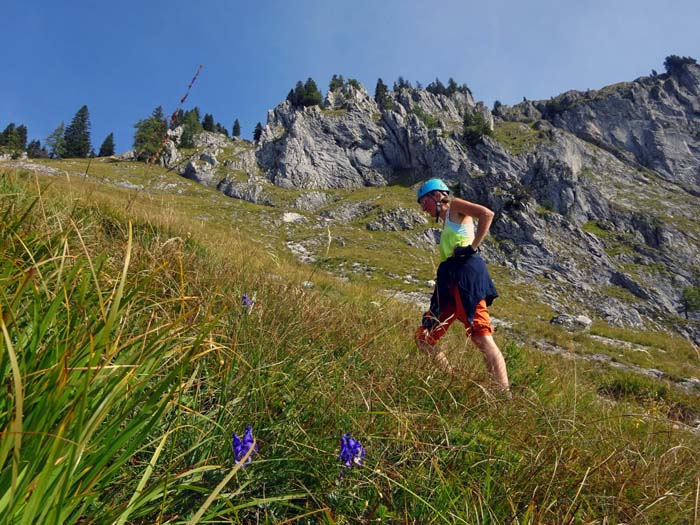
{"points": [[464, 252]]}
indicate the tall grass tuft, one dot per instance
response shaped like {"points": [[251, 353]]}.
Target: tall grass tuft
{"points": [[89, 364]]}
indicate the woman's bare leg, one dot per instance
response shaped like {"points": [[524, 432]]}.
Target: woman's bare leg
{"points": [[432, 351], [495, 364]]}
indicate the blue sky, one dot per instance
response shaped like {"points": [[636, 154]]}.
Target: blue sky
{"points": [[122, 59]]}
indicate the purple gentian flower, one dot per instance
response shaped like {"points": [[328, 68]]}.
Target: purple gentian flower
{"points": [[242, 446], [248, 302], [351, 451]]}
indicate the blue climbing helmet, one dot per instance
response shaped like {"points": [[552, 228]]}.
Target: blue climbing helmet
{"points": [[431, 185]]}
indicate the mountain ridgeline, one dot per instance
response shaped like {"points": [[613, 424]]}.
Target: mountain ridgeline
{"points": [[596, 193]]}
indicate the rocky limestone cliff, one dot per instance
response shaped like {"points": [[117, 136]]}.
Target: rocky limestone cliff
{"points": [[229, 165], [351, 143], [653, 122]]}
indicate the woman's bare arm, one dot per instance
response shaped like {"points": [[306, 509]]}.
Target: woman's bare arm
{"points": [[482, 214]]}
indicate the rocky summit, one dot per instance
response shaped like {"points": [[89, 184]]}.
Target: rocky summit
{"points": [[596, 193]]}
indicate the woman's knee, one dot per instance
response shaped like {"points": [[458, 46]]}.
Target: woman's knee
{"points": [[486, 344], [424, 341]]}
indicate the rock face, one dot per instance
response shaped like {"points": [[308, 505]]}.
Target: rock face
{"points": [[351, 143], [652, 121], [236, 174]]}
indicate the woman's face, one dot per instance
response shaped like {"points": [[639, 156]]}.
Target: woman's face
{"points": [[428, 203]]}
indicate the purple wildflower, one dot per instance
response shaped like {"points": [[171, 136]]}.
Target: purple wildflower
{"points": [[248, 302], [242, 446], [351, 451]]}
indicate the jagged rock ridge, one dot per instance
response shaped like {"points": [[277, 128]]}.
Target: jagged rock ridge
{"points": [[653, 122]]}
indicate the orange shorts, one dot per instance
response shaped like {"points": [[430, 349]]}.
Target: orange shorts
{"points": [[480, 325]]}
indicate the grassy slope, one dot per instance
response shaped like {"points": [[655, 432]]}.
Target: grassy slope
{"points": [[303, 366]]}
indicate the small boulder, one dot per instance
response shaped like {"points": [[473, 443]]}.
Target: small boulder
{"points": [[399, 219], [572, 323], [292, 217]]}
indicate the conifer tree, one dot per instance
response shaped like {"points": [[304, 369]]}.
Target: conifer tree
{"points": [[56, 142], [452, 86], [236, 128], [158, 113], [674, 63], [33, 147], [299, 94], [191, 127], [9, 137], [296, 95], [208, 122], [312, 95], [77, 135], [381, 95], [257, 132], [36, 151], [337, 82], [401, 84], [107, 147], [305, 95], [149, 135], [21, 137], [221, 129], [436, 88]]}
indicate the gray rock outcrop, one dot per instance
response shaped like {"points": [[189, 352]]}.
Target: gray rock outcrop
{"points": [[228, 165], [350, 142], [311, 200], [398, 219], [572, 323], [251, 190]]}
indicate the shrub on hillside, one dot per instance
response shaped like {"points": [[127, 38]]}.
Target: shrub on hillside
{"points": [[675, 63], [475, 127], [691, 300]]}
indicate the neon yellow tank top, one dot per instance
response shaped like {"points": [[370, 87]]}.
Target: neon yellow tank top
{"points": [[454, 234]]}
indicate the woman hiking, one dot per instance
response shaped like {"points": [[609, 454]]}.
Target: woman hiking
{"points": [[463, 286]]}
